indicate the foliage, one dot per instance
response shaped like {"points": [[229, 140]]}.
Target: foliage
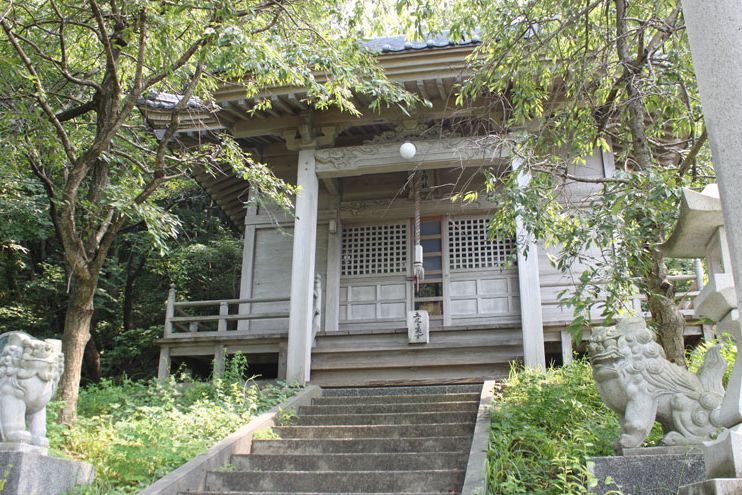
{"points": [[728, 352], [207, 271], [544, 426], [84, 86], [133, 353], [135, 432], [564, 83]]}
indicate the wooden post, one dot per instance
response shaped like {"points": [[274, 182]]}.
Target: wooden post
{"points": [[219, 357], [530, 289], [299, 353], [248, 264], [163, 369], [282, 361], [223, 311], [332, 284], [170, 311], [566, 339]]}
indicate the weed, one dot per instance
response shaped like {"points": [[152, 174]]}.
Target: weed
{"points": [[136, 432], [285, 417], [544, 427], [227, 468], [266, 434]]}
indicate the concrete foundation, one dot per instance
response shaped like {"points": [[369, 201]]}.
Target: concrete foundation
{"points": [[29, 473]]}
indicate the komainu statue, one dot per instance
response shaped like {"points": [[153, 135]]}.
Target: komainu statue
{"points": [[29, 374], [637, 382]]}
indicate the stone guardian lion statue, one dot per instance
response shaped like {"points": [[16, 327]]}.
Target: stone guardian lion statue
{"points": [[29, 373], [638, 383]]}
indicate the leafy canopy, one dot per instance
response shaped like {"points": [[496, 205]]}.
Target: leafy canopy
{"points": [[567, 81]]}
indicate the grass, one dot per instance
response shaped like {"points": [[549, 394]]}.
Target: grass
{"points": [[136, 432], [544, 427]]}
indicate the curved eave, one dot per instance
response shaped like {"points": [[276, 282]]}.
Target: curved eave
{"points": [[700, 216]]}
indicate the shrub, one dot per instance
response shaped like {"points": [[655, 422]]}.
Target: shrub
{"points": [[136, 432], [544, 426]]}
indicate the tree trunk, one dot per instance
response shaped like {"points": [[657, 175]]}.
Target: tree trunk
{"points": [[668, 319], [76, 335], [92, 361], [133, 270]]}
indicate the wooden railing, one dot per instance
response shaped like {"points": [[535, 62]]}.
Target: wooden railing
{"points": [[179, 323]]}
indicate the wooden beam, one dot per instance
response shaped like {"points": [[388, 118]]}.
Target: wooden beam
{"points": [[385, 158], [277, 102], [297, 102], [421, 89], [441, 89], [332, 186], [341, 120], [238, 114]]}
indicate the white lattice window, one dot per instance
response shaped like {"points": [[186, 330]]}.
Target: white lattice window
{"points": [[469, 247], [374, 250]]}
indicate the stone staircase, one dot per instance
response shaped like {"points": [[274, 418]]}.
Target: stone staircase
{"points": [[362, 440]]}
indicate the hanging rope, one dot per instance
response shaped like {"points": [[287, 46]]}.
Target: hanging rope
{"points": [[418, 270]]}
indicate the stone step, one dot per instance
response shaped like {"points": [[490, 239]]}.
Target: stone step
{"points": [[351, 462], [304, 493], [442, 481], [386, 419], [395, 399], [376, 431], [389, 408], [345, 445], [414, 390]]}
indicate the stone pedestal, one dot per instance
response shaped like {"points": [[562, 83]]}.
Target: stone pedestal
{"points": [[648, 471], [718, 486], [30, 473], [724, 455]]}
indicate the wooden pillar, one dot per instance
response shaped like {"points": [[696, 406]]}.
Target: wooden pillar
{"points": [[223, 312], [248, 262], [566, 339], [170, 311], [163, 369], [220, 354], [282, 361], [299, 352], [530, 289], [332, 284]]}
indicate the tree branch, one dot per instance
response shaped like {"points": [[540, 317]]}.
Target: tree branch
{"points": [[74, 112], [63, 49], [576, 178], [159, 172], [692, 154], [640, 145], [40, 95], [107, 47], [49, 189]]}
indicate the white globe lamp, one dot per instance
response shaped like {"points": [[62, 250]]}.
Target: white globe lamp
{"points": [[407, 150]]}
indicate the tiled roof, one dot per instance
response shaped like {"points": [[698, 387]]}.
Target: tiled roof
{"points": [[168, 100], [389, 44], [395, 44]]}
